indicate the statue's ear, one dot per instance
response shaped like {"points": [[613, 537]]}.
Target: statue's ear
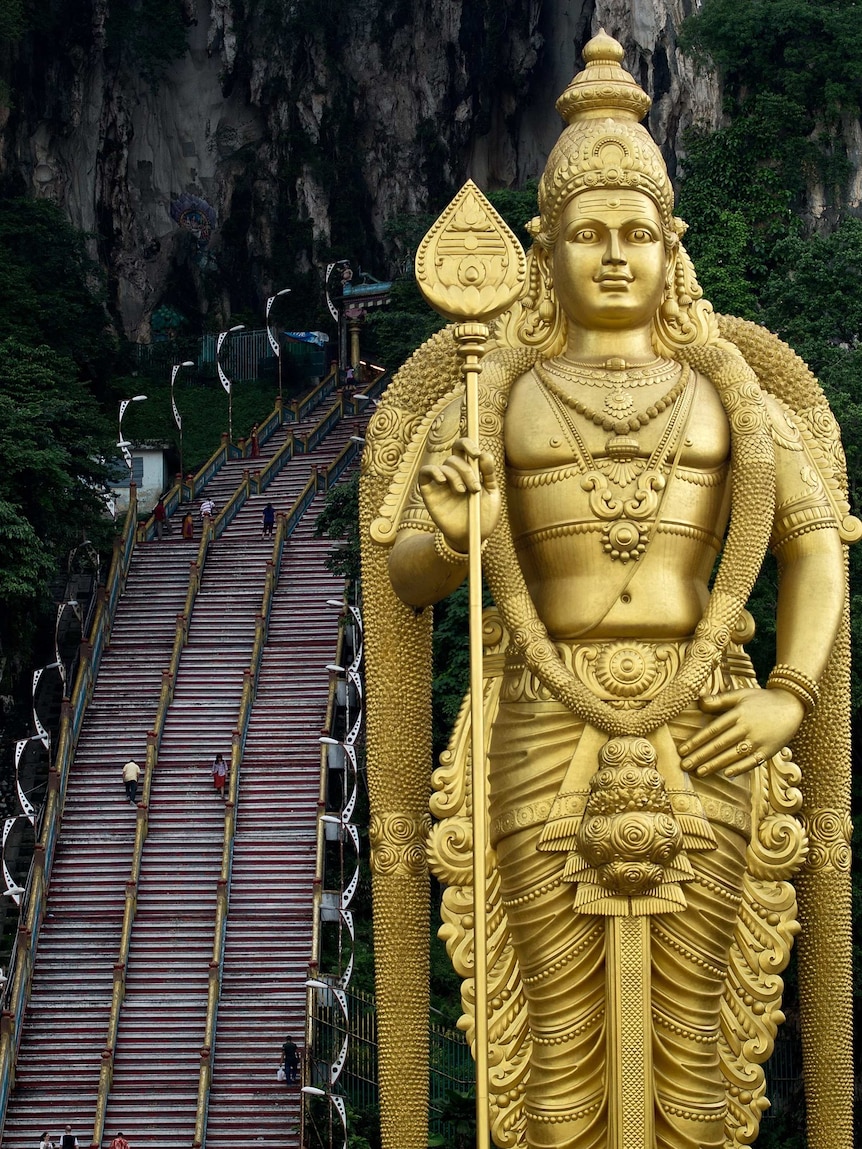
{"points": [[536, 320]]}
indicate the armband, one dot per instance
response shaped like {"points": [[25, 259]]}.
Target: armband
{"points": [[784, 677]]}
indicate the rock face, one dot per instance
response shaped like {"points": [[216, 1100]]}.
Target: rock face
{"points": [[297, 133]]}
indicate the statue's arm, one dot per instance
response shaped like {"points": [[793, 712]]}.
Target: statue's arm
{"points": [[808, 548], [807, 545], [419, 575]]}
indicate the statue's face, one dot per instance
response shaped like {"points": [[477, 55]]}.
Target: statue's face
{"points": [[610, 259]]}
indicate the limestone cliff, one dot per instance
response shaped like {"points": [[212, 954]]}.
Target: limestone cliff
{"points": [[287, 132]]}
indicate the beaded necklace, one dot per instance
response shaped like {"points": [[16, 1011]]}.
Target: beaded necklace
{"points": [[606, 420], [614, 372]]}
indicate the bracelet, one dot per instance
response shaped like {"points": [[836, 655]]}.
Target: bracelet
{"points": [[447, 554], [784, 677]]}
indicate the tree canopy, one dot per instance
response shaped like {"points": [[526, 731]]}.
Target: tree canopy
{"points": [[52, 441]]}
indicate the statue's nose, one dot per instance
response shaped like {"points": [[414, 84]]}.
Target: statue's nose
{"points": [[613, 252]]}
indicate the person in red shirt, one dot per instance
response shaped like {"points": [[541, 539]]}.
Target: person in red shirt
{"points": [[160, 515], [119, 1142]]}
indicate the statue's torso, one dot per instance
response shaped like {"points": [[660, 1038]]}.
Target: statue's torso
{"points": [[563, 532]]}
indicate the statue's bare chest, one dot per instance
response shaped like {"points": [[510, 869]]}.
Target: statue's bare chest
{"points": [[544, 431]]}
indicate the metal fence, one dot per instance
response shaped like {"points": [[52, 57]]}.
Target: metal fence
{"points": [[245, 355], [451, 1066], [241, 355]]}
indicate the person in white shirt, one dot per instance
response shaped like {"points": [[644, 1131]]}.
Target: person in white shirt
{"points": [[131, 774]]}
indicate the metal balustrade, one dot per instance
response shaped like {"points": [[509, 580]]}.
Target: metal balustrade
{"points": [[17, 989]]}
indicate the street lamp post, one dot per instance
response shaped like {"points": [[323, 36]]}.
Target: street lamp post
{"points": [[122, 443], [274, 343], [336, 312], [225, 382], [175, 370]]}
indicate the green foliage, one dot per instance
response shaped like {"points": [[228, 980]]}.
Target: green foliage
{"points": [[786, 1130], [459, 1113], [518, 206], [146, 35], [808, 51], [739, 206], [13, 20], [51, 439], [824, 269], [203, 406], [51, 292], [339, 521]]}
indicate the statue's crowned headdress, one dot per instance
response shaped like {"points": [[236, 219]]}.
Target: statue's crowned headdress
{"points": [[604, 144]]}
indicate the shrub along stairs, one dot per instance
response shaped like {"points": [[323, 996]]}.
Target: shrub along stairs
{"points": [[173, 954]]}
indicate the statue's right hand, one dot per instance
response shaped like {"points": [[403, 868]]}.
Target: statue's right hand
{"points": [[446, 490]]}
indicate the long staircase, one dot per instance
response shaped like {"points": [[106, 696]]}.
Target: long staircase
{"points": [[269, 928], [73, 975], [154, 1095]]}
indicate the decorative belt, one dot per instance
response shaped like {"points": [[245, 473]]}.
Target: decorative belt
{"points": [[626, 673]]}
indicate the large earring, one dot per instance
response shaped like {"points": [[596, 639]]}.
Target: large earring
{"points": [[547, 304], [540, 323]]}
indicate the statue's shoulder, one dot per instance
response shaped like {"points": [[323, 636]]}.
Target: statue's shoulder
{"points": [[800, 416]]}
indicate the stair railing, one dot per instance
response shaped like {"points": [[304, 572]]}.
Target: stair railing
{"points": [[183, 491], [268, 427], [17, 989], [340, 463], [200, 479], [216, 965], [231, 508], [257, 483], [332, 417], [154, 738], [262, 478], [302, 408]]}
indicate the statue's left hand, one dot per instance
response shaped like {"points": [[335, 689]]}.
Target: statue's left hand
{"points": [[749, 726]]}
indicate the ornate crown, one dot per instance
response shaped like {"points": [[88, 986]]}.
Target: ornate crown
{"points": [[604, 145]]}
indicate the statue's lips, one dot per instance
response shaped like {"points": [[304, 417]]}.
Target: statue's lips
{"points": [[614, 282]]}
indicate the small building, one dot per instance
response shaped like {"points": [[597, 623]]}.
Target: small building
{"points": [[149, 471]]}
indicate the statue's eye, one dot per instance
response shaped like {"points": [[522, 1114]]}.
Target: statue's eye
{"points": [[585, 235], [640, 235]]}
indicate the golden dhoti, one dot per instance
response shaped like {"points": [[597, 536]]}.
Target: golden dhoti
{"points": [[561, 952]]}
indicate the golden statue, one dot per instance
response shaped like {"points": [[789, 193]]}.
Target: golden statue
{"points": [[645, 815]]}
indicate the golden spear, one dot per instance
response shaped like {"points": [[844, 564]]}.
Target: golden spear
{"points": [[470, 268]]}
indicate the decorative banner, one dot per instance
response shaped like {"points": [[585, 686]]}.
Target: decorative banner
{"points": [[225, 382], [177, 418], [41, 732], [346, 275], [338, 1102]]}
